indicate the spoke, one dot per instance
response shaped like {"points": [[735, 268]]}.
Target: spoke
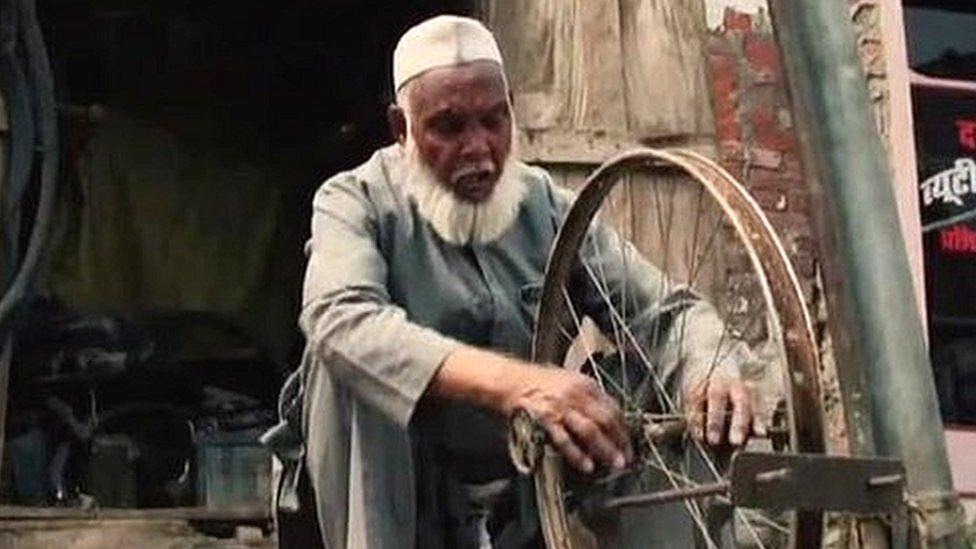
{"points": [[758, 516], [634, 343], [715, 358], [709, 245], [693, 253], [626, 250], [747, 515], [665, 248], [667, 241], [662, 391], [674, 476], [625, 328], [582, 338], [621, 355], [599, 372], [623, 334], [691, 505], [625, 280], [658, 218], [692, 249]]}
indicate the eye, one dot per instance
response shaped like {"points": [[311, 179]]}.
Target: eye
{"points": [[492, 122], [447, 124], [496, 119]]}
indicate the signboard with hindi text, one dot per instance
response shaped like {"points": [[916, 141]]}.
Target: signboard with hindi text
{"points": [[945, 128]]}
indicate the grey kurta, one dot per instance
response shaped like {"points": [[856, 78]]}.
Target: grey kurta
{"points": [[385, 301]]}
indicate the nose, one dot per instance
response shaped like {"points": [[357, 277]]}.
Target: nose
{"points": [[476, 144]]}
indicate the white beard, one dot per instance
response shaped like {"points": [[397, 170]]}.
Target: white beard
{"points": [[456, 220]]}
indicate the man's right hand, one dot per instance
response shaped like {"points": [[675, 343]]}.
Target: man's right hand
{"points": [[582, 422]]}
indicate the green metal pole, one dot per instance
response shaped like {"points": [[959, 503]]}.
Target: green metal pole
{"points": [[844, 153]]}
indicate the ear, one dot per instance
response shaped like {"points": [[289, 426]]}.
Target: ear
{"points": [[397, 120]]}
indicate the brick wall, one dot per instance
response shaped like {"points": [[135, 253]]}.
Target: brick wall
{"points": [[755, 133], [758, 145]]}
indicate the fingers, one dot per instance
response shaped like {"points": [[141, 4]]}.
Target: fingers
{"points": [[608, 416], [741, 413], [707, 406], [584, 424], [759, 426], [718, 401], [695, 410], [597, 443], [560, 438]]}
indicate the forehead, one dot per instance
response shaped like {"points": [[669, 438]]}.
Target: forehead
{"points": [[469, 86]]}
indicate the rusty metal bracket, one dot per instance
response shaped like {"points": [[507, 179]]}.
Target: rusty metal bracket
{"points": [[795, 481], [817, 482]]}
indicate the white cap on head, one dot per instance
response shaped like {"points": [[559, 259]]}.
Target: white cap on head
{"points": [[442, 41]]}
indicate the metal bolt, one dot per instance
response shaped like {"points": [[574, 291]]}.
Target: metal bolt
{"points": [[885, 480], [775, 475]]}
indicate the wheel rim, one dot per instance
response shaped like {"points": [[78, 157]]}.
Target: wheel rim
{"points": [[789, 324]]}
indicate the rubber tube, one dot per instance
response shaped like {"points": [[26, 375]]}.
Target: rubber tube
{"points": [[16, 93], [45, 107]]}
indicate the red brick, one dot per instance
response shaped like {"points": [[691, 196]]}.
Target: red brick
{"points": [[725, 91], [800, 199], [731, 151], [727, 126], [788, 221], [803, 243], [766, 130], [805, 265], [764, 158], [785, 118], [770, 200], [761, 54], [737, 21], [770, 178], [792, 167], [721, 43], [764, 78]]}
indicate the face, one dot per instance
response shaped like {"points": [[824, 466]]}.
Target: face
{"points": [[462, 127]]}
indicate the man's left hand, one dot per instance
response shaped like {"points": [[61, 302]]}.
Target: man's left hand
{"points": [[708, 404]]}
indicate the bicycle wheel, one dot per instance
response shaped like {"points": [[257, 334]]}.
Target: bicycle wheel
{"points": [[712, 250]]}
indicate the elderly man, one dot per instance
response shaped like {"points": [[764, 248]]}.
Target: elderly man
{"points": [[418, 316]]}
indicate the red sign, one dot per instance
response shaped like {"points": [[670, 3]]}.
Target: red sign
{"points": [[958, 239], [967, 133]]}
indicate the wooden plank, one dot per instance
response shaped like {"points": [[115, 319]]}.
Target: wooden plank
{"points": [[245, 513], [596, 67], [566, 146], [673, 222], [591, 79], [593, 147], [535, 37], [664, 70], [139, 534]]}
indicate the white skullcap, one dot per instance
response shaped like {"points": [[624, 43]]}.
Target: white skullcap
{"points": [[442, 41]]}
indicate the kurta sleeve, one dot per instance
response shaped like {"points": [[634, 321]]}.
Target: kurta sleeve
{"points": [[366, 342]]}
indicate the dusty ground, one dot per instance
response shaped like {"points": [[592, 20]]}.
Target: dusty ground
{"points": [[111, 534]]}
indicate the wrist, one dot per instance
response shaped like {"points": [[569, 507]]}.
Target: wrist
{"points": [[483, 378]]}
